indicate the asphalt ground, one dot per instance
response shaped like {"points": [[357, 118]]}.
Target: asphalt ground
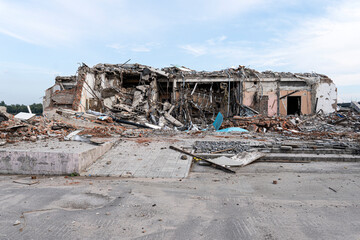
{"points": [[261, 201]]}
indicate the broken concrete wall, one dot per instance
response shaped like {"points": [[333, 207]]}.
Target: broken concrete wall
{"points": [[55, 161], [64, 97], [88, 95], [302, 88], [326, 95], [261, 95], [61, 94]]}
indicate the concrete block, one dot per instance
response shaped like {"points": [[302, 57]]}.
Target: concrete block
{"points": [[31, 159]]}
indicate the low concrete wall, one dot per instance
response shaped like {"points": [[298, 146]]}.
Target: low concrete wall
{"points": [[49, 162], [87, 158]]}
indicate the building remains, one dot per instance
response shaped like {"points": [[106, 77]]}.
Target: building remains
{"points": [[280, 116], [184, 98]]}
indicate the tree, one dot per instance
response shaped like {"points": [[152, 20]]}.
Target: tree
{"points": [[36, 108]]}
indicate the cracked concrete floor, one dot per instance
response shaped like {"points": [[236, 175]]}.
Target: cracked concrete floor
{"points": [[150, 158], [209, 204]]}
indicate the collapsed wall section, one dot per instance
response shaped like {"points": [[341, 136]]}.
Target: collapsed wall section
{"points": [[61, 94], [326, 96]]}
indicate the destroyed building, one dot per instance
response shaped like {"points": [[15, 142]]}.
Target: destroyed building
{"points": [[182, 97]]}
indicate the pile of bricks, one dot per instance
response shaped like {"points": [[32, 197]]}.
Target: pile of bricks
{"points": [[37, 128], [103, 131]]}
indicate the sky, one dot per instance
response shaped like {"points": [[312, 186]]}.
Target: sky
{"points": [[41, 39]]}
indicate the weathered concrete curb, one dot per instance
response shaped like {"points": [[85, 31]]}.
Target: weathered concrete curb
{"points": [[49, 163], [312, 157], [297, 157]]}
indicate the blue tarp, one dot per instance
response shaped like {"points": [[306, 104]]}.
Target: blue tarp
{"points": [[218, 121], [233, 129]]}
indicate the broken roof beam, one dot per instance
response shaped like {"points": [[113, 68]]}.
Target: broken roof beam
{"points": [[128, 69], [355, 106], [157, 71], [289, 94]]}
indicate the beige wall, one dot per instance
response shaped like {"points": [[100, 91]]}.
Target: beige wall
{"points": [[248, 100], [305, 102]]}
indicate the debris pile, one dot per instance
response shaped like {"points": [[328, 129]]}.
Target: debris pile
{"points": [[348, 122], [261, 123], [38, 128], [131, 99], [232, 147], [180, 98], [345, 124], [14, 130]]}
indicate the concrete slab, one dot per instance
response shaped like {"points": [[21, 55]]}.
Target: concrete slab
{"points": [[296, 157], [130, 158], [50, 157], [312, 157]]}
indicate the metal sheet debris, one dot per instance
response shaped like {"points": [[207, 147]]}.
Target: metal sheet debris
{"points": [[24, 116]]}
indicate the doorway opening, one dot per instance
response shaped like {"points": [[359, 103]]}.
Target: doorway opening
{"points": [[294, 105]]}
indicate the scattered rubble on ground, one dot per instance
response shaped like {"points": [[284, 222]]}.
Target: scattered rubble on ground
{"points": [[133, 100], [232, 147]]}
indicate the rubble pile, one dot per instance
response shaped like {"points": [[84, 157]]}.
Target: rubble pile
{"points": [[101, 124], [128, 92], [348, 122], [14, 130], [261, 123], [38, 128], [131, 99], [127, 123], [180, 98], [344, 124], [232, 147]]}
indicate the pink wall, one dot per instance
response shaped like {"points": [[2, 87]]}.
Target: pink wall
{"points": [[272, 103]]}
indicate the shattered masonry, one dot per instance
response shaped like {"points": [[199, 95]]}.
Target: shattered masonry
{"points": [[184, 97]]}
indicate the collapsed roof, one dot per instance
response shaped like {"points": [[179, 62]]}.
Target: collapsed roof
{"points": [[184, 98]]}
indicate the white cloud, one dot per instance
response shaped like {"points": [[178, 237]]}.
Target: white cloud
{"points": [[115, 46], [214, 9], [11, 34], [65, 22], [140, 49], [145, 47], [26, 68], [214, 41], [195, 50], [34, 25], [327, 44]]}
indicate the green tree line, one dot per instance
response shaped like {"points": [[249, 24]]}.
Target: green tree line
{"points": [[36, 108]]}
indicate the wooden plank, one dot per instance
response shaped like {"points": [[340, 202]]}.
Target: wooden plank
{"points": [[224, 150]]}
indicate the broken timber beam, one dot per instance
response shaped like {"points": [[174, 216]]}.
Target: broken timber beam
{"points": [[129, 123], [225, 169], [355, 106], [223, 150], [289, 94]]}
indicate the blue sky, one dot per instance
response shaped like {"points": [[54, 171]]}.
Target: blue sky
{"points": [[43, 39]]}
